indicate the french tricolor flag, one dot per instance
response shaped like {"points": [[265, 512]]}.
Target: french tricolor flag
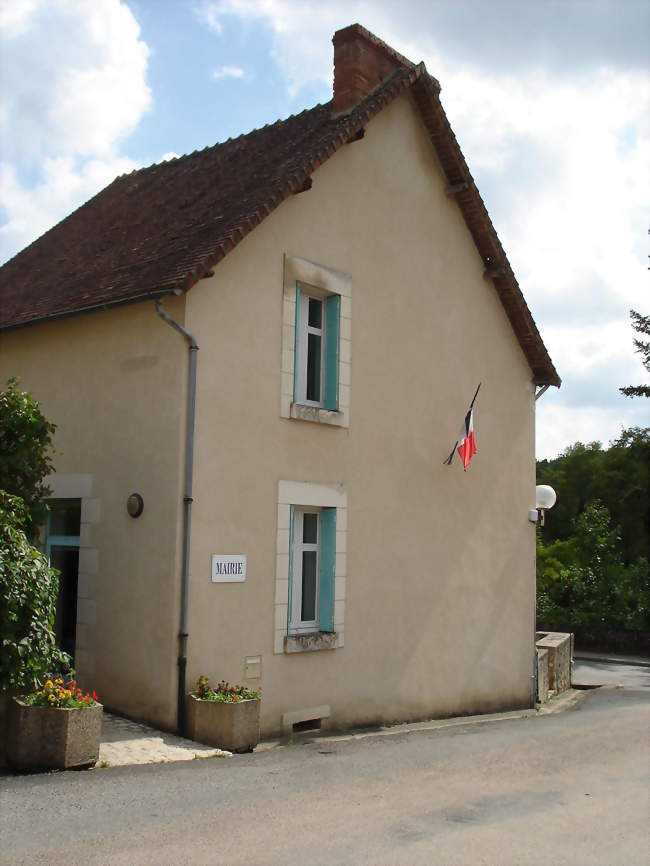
{"points": [[466, 442]]}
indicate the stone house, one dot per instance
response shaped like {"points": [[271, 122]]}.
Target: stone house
{"points": [[258, 356]]}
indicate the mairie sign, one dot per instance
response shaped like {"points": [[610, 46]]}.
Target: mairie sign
{"points": [[228, 568]]}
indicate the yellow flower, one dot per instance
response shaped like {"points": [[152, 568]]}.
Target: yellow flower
{"points": [[51, 698], [49, 684], [58, 681]]}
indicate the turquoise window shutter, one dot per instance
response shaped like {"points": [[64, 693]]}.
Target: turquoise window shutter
{"points": [[327, 567], [332, 307], [295, 348], [290, 566]]}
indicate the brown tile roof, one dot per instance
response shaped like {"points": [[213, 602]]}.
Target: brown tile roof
{"points": [[163, 228]]}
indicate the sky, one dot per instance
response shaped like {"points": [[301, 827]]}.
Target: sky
{"points": [[549, 100]]}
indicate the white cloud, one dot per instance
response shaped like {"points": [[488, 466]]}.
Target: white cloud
{"points": [[227, 72], [561, 426], [208, 14], [63, 114], [64, 183]]}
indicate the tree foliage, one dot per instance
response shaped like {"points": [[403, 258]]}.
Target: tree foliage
{"points": [[25, 440], [583, 581], [641, 324], [592, 554], [617, 477], [28, 593]]}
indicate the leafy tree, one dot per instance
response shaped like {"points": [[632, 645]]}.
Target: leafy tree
{"points": [[584, 582], [28, 592], [641, 324], [617, 477], [25, 438]]}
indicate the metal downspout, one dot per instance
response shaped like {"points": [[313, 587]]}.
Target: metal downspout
{"points": [[187, 512]]}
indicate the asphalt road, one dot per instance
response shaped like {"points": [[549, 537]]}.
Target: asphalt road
{"points": [[570, 788], [590, 672]]}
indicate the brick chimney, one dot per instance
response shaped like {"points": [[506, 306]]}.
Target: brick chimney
{"points": [[361, 62]]}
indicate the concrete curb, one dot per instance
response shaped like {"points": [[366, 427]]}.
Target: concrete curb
{"points": [[570, 699], [566, 701]]}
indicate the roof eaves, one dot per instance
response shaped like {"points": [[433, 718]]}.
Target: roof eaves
{"points": [[90, 308]]}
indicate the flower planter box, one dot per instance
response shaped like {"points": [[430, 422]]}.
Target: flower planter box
{"points": [[234, 726], [48, 738]]}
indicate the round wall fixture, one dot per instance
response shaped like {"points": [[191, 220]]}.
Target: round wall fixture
{"points": [[135, 505]]}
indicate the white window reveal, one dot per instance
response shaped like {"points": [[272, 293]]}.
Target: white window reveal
{"points": [[310, 574], [316, 375], [312, 543]]}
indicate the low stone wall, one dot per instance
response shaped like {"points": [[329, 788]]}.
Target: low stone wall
{"points": [[559, 649]]}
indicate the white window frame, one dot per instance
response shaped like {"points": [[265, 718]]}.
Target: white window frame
{"points": [[323, 281], [304, 329], [310, 496], [296, 624]]}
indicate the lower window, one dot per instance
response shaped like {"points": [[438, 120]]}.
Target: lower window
{"points": [[312, 557]]}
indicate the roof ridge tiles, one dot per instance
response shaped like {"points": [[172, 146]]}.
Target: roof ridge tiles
{"points": [[228, 141]]}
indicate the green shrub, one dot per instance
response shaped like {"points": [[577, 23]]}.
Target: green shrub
{"points": [[25, 438], [28, 593]]}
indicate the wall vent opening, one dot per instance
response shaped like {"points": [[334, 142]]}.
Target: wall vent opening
{"points": [[307, 725]]}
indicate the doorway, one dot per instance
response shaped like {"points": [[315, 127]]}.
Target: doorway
{"points": [[62, 550]]}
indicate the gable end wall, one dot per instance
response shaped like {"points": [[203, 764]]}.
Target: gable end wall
{"points": [[440, 579]]}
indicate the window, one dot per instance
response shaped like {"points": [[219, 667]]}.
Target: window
{"points": [[316, 374], [316, 343], [311, 561], [312, 553]]}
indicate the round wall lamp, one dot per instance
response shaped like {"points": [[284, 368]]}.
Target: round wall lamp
{"points": [[135, 505], [545, 498]]}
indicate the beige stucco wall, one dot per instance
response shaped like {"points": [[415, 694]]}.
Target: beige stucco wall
{"points": [[440, 589], [114, 383]]}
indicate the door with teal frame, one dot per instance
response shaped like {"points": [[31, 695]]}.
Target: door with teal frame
{"points": [[62, 531]]}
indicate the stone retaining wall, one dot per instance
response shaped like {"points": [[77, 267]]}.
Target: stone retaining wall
{"points": [[554, 655]]}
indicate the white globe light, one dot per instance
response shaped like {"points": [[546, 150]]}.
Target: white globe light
{"points": [[545, 496]]}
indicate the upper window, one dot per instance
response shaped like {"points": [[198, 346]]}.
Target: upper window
{"points": [[317, 348], [316, 343]]}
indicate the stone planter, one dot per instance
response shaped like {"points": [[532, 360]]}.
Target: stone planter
{"points": [[47, 738], [234, 726]]}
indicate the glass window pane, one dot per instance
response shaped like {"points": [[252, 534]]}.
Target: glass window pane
{"points": [[65, 517], [315, 313], [310, 529], [308, 607], [313, 367]]}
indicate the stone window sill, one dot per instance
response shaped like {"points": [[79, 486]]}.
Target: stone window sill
{"points": [[303, 643], [317, 415]]}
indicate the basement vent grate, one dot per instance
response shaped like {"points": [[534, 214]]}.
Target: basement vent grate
{"points": [[307, 725]]}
